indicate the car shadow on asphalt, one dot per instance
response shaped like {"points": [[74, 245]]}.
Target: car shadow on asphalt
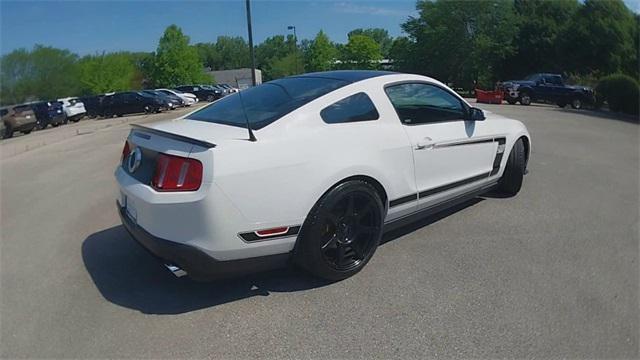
{"points": [[127, 275]]}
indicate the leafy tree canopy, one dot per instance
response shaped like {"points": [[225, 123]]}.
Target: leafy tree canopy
{"points": [[381, 36], [176, 62], [361, 52], [320, 54]]}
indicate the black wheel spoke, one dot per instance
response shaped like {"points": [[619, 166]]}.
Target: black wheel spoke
{"points": [[332, 241], [350, 231], [339, 254], [357, 251], [362, 214], [351, 206]]}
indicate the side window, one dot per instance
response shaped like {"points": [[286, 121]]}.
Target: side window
{"points": [[358, 107], [424, 103], [554, 80]]}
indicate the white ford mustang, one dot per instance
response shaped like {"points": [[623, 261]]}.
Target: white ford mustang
{"points": [[311, 168]]}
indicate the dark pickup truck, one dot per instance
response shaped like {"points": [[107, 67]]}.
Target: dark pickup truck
{"points": [[546, 88]]}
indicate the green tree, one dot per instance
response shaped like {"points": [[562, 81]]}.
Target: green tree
{"points": [[99, 74], [43, 73], [285, 66], [277, 51], [176, 62], [381, 36], [401, 54], [208, 54], [233, 53], [361, 52], [541, 24], [462, 42], [320, 54], [602, 37]]}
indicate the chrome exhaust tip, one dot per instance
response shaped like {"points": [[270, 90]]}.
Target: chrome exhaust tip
{"points": [[175, 270]]}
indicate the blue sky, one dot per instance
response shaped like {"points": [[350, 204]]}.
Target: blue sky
{"points": [[87, 27]]}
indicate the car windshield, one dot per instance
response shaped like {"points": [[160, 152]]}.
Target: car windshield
{"points": [[266, 103], [532, 77]]}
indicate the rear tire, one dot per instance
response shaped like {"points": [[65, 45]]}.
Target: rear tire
{"points": [[513, 175], [512, 101], [8, 132], [341, 232]]}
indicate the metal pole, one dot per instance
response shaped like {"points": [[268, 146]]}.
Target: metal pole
{"points": [[295, 38], [253, 58]]}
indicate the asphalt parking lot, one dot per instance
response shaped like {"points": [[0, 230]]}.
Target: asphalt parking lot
{"points": [[551, 273]]}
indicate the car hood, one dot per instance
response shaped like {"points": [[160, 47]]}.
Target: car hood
{"points": [[519, 82]]}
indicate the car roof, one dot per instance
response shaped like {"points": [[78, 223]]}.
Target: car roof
{"points": [[350, 76]]}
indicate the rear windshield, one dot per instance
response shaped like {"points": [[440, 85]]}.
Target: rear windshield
{"points": [[266, 103]]}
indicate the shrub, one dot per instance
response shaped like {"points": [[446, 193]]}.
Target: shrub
{"points": [[621, 92]]}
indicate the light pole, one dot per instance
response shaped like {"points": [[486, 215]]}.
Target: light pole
{"points": [[295, 39], [253, 58]]}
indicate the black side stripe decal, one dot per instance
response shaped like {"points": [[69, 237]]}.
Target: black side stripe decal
{"points": [[472, 142], [496, 167], [403, 200], [499, 155], [252, 236], [456, 184]]}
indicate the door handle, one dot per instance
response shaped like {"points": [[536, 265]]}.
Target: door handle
{"points": [[425, 144]]}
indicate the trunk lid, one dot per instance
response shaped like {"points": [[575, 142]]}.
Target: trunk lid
{"points": [[201, 131]]}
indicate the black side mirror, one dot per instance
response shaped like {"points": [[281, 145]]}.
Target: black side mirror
{"points": [[475, 114]]}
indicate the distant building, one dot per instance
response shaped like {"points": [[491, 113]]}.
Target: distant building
{"points": [[240, 78]]}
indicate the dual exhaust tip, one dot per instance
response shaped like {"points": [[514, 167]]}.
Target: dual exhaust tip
{"points": [[178, 272]]}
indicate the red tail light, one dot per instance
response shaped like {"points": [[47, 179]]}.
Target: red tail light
{"points": [[125, 151], [175, 173]]}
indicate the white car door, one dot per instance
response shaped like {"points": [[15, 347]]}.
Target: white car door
{"points": [[451, 155]]}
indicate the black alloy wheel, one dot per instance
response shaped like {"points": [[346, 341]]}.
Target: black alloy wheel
{"points": [[525, 98], [576, 103], [341, 232], [350, 232], [210, 98]]}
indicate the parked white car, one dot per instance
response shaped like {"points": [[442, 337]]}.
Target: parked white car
{"points": [[73, 108], [332, 160], [188, 98]]}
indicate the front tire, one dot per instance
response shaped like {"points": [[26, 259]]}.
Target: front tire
{"points": [[511, 181], [576, 103], [525, 98], [342, 231]]}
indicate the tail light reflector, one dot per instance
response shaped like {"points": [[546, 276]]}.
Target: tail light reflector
{"points": [[271, 232], [176, 173], [125, 151]]}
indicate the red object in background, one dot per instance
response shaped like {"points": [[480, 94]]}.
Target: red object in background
{"points": [[489, 97]]}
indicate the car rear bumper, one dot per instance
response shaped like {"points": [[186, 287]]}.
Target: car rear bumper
{"points": [[195, 262]]}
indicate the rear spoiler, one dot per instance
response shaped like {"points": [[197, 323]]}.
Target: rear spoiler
{"points": [[173, 136]]}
